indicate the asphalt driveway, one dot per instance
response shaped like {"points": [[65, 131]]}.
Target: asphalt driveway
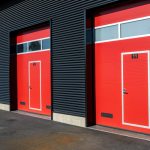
{"points": [[19, 132]]}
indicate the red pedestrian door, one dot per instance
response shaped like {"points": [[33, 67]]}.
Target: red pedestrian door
{"points": [[35, 97], [135, 88]]}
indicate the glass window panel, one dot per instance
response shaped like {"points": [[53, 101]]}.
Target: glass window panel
{"points": [[34, 46], [46, 44], [22, 48], [106, 33], [135, 28]]}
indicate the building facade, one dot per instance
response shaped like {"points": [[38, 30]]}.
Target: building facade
{"points": [[79, 62]]}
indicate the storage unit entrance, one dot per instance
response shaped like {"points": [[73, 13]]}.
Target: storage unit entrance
{"points": [[34, 71], [122, 68]]}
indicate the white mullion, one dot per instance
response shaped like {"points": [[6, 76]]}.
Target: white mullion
{"points": [[119, 30], [41, 44], [27, 47]]}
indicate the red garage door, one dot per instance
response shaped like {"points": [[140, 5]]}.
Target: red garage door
{"points": [[122, 67], [34, 71]]}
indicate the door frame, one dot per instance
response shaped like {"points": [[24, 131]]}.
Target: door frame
{"points": [[122, 87], [31, 62]]}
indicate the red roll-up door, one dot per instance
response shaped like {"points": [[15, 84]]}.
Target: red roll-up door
{"points": [[122, 68], [34, 71]]}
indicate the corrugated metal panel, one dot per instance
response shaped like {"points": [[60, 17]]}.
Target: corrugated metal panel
{"points": [[68, 43]]}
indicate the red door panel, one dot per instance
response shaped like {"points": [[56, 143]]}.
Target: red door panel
{"points": [[34, 75], [23, 81], [135, 84], [35, 85]]}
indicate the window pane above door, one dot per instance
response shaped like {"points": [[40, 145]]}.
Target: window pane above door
{"points": [[22, 48], [34, 46], [106, 33], [135, 28], [46, 44]]}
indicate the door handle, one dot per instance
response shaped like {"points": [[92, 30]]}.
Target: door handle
{"points": [[125, 91], [30, 87]]}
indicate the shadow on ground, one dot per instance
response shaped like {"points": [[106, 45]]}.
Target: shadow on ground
{"points": [[19, 132]]}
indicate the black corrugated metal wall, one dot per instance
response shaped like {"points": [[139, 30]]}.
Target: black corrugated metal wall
{"points": [[68, 47]]}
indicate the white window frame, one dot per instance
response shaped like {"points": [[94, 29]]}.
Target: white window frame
{"points": [[119, 30], [33, 41]]}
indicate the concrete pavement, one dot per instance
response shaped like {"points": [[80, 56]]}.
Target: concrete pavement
{"points": [[19, 132]]}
